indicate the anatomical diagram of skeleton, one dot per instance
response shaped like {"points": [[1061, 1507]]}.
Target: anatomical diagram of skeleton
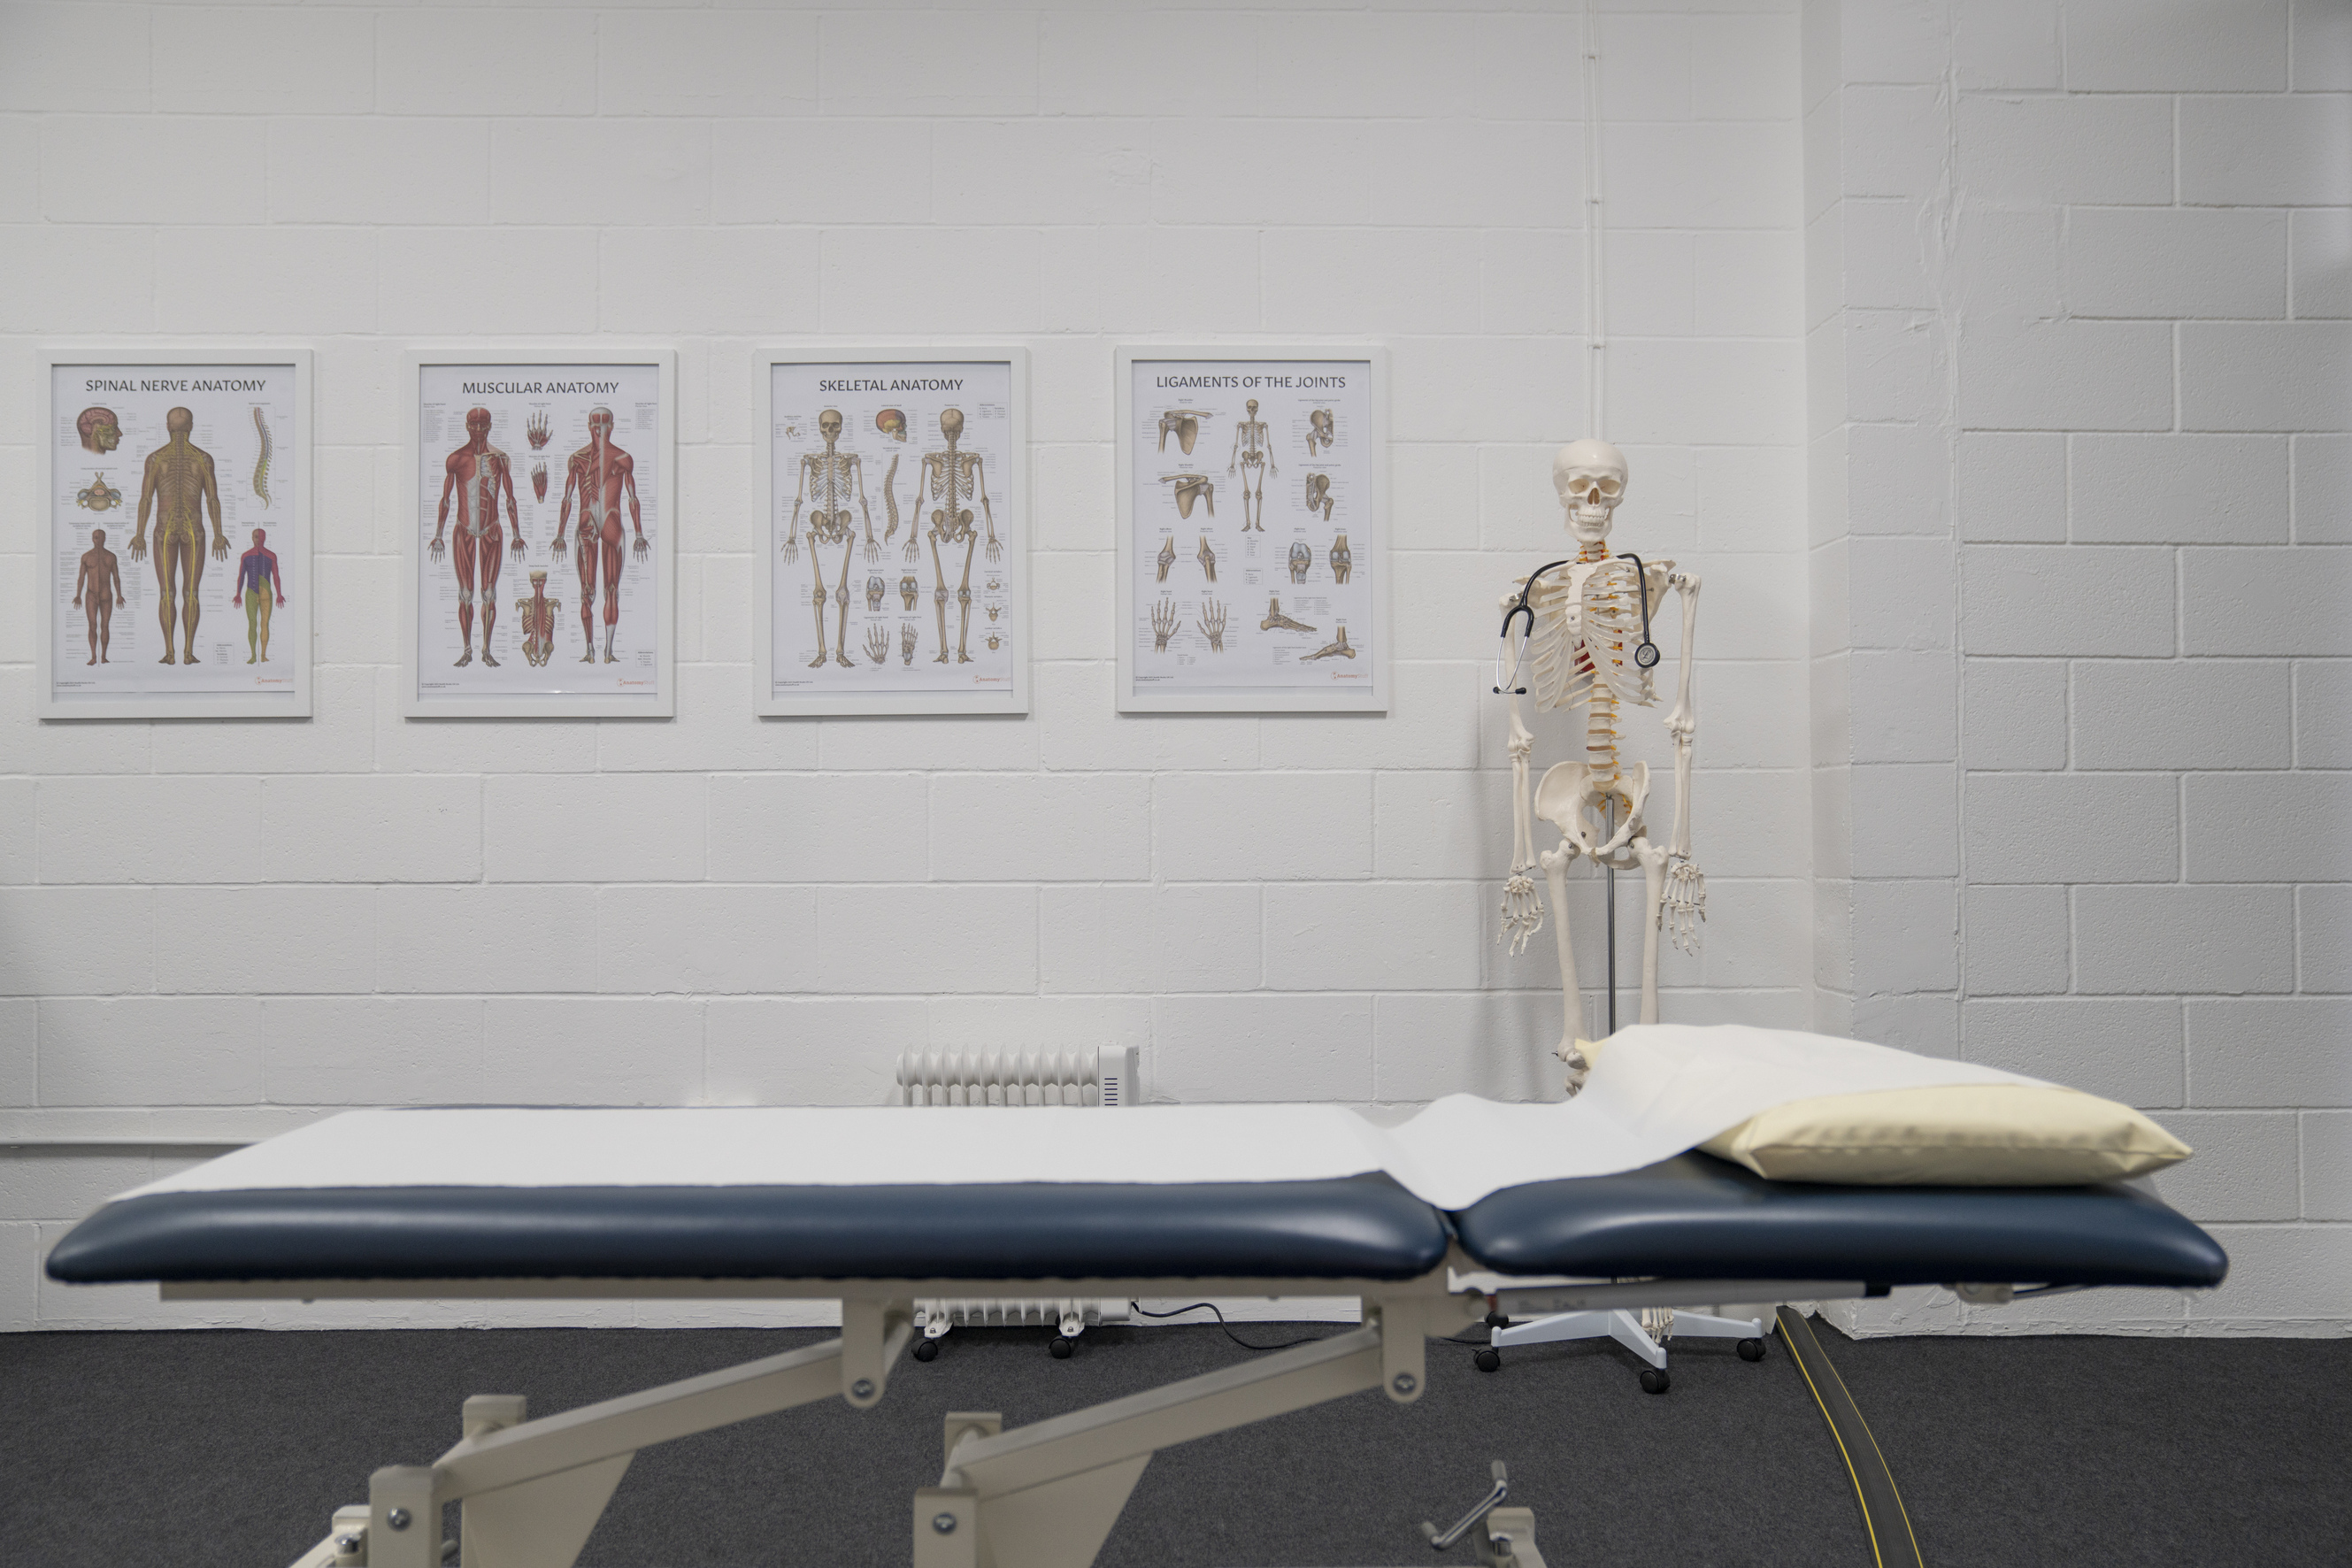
{"points": [[1247, 481], [1577, 635], [894, 539], [538, 480]]}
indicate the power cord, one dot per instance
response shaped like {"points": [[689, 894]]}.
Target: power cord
{"points": [[1141, 1311]]}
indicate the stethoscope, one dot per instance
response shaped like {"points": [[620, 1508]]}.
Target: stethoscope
{"points": [[1645, 652]]}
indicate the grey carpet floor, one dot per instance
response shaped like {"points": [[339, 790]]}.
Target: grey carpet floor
{"points": [[232, 1448]]}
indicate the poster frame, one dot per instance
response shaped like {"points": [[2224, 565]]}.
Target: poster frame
{"points": [[1024, 511], [294, 623], [662, 703], [1371, 698]]}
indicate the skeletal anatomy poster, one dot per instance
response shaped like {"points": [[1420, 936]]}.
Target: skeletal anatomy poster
{"points": [[897, 540], [1253, 519], [176, 578], [540, 537]]}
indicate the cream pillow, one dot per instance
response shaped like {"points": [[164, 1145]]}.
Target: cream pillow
{"points": [[1959, 1135]]}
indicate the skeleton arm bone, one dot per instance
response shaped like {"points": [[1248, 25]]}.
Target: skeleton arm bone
{"points": [[873, 550], [147, 499], [514, 521], [800, 492], [1523, 910], [441, 522], [1685, 897], [571, 481], [980, 488], [212, 495]]}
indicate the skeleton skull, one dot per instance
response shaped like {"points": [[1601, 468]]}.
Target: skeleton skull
{"points": [[951, 422], [828, 425], [1591, 479]]}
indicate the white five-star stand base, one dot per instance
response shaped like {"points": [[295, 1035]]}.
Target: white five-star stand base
{"points": [[1627, 1331]]}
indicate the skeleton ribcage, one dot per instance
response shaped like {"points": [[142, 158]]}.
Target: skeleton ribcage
{"points": [[1587, 625]]}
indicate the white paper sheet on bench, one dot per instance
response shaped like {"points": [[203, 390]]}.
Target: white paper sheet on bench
{"points": [[1657, 1092]]}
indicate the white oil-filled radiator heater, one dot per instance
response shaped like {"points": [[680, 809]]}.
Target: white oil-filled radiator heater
{"points": [[1008, 1080]]}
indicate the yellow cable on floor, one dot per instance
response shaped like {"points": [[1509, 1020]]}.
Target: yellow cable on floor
{"points": [[1852, 1434]]}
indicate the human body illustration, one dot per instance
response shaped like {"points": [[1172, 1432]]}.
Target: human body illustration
{"points": [[179, 484], [601, 474], [946, 481], [475, 476], [1252, 457], [259, 581], [98, 593], [829, 478], [537, 613], [1584, 627]]}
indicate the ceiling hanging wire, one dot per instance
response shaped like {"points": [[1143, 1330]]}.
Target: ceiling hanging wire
{"points": [[1596, 295]]}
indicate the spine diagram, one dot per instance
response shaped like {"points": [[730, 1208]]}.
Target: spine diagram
{"points": [[261, 463], [538, 614], [890, 494]]}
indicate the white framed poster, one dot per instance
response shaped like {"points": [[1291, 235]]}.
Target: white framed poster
{"points": [[896, 539], [176, 493], [541, 546], [1252, 528]]}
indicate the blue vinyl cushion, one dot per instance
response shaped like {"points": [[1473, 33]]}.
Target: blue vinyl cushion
{"points": [[1362, 1227], [1696, 1217]]}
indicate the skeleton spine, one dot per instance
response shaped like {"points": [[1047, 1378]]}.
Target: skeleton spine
{"points": [[261, 464]]}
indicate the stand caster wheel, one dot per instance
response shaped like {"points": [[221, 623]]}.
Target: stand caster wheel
{"points": [[1487, 1359], [1062, 1347], [1655, 1380], [926, 1350], [1498, 1319], [1751, 1350]]}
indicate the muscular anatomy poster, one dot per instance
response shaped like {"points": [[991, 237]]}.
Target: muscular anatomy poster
{"points": [[177, 570], [1252, 519], [897, 538], [541, 543]]}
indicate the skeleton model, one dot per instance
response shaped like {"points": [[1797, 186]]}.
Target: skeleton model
{"points": [[830, 477], [262, 462], [538, 613], [947, 482], [1337, 648], [1251, 441], [1207, 557], [179, 484], [1213, 624], [475, 476], [1302, 560], [1584, 629], [98, 495], [1343, 560], [1275, 617], [602, 474], [1167, 557], [1191, 487], [1318, 494], [535, 430], [1164, 622], [1319, 430], [1184, 424]]}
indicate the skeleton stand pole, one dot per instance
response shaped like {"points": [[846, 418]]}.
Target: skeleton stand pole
{"points": [[1609, 876]]}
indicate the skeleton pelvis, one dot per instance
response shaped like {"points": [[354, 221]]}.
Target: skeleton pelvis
{"points": [[1571, 798]]}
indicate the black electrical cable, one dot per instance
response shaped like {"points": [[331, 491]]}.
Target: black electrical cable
{"points": [[1141, 1311]]}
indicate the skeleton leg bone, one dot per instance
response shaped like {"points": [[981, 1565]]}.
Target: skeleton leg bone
{"points": [[1653, 892], [1571, 996], [840, 597]]}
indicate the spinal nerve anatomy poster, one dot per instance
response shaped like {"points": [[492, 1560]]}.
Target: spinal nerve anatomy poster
{"points": [[540, 537], [177, 569], [1252, 517], [896, 542]]}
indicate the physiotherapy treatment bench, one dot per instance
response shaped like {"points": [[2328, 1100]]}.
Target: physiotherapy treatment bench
{"points": [[1686, 1231]]}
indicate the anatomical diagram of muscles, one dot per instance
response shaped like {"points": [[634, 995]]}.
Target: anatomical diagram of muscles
{"points": [[1251, 455], [538, 614], [259, 585], [602, 476], [178, 486], [473, 479], [98, 593], [828, 478], [261, 461], [945, 484]]}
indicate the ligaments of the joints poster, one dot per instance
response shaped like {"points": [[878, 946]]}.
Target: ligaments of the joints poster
{"points": [[1253, 550], [894, 530], [171, 512], [525, 469]]}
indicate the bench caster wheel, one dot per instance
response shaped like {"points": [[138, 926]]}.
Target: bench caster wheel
{"points": [[1062, 1347], [1655, 1380], [1751, 1350], [926, 1350], [1487, 1359]]}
